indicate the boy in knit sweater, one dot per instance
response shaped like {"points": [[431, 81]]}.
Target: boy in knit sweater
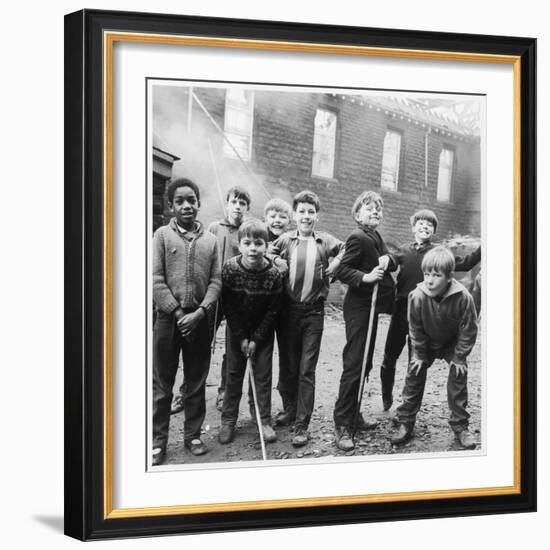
{"points": [[186, 285], [251, 294], [237, 204], [442, 325], [409, 258]]}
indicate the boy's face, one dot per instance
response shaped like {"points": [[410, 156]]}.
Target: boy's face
{"points": [[253, 251], [236, 208], [423, 231], [369, 215], [185, 206], [305, 217], [436, 282], [277, 221]]}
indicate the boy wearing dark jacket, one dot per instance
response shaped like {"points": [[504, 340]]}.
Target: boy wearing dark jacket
{"points": [[409, 258], [364, 263]]}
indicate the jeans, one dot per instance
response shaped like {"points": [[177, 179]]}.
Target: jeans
{"points": [[356, 318], [305, 324], [167, 344], [457, 398], [236, 367]]}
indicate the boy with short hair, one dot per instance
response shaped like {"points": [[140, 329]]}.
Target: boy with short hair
{"points": [[409, 258], [442, 325], [307, 254], [277, 215], [237, 204], [186, 285], [364, 264], [251, 293]]}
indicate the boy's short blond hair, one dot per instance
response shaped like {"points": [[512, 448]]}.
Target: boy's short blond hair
{"points": [[365, 198], [439, 259], [279, 205]]}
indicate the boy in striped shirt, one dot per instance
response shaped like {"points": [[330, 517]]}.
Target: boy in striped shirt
{"points": [[307, 254]]}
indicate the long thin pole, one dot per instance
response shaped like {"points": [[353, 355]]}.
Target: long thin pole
{"points": [[256, 408], [365, 356]]}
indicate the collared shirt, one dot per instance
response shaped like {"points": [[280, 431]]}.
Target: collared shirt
{"points": [[308, 259]]}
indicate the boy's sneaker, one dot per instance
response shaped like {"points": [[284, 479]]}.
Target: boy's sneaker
{"points": [[285, 418], [343, 439], [466, 439], [227, 431], [301, 437], [159, 454], [402, 436], [178, 404], [219, 400], [269, 433], [196, 446]]}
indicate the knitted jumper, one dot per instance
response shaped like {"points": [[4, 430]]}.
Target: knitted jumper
{"points": [[251, 299], [186, 268]]}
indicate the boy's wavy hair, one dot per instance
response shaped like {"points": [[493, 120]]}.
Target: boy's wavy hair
{"points": [[439, 259], [279, 205], [253, 229], [306, 196], [366, 197], [181, 182], [425, 214]]}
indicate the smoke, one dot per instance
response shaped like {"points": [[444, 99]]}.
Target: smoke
{"points": [[200, 145]]}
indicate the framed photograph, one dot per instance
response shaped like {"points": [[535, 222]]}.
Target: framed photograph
{"points": [[300, 274]]}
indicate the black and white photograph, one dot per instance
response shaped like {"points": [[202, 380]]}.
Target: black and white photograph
{"points": [[314, 274]]}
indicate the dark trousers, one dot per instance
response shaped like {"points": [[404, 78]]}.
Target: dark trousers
{"points": [[398, 332], [305, 324], [236, 367], [282, 333], [356, 318], [457, 398], [167, 344]]}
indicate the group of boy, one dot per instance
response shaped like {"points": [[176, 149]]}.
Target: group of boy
{"points": [[267, 280]]}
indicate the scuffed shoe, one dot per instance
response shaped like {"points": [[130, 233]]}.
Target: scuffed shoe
{"points": [[159, 454], [269, 433], [343, 439], [178, 404], [196, 446], [301, 437], [227, 431], [363, 424], [466, 439], [402, 436], [285, 418]]}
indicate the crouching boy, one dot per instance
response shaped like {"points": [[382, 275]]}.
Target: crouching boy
{"points": [[251, 294], [442, 325], [186, 284]]}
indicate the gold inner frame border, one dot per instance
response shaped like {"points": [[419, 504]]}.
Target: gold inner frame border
{"points": [[109, 40]]}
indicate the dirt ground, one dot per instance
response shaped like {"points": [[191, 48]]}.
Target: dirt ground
{"points": [[432, 431]]}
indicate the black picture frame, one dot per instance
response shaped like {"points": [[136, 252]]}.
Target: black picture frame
{"points": [[86, 497]]}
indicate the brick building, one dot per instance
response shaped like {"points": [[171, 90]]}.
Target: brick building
{"points": [[337, 145]]}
